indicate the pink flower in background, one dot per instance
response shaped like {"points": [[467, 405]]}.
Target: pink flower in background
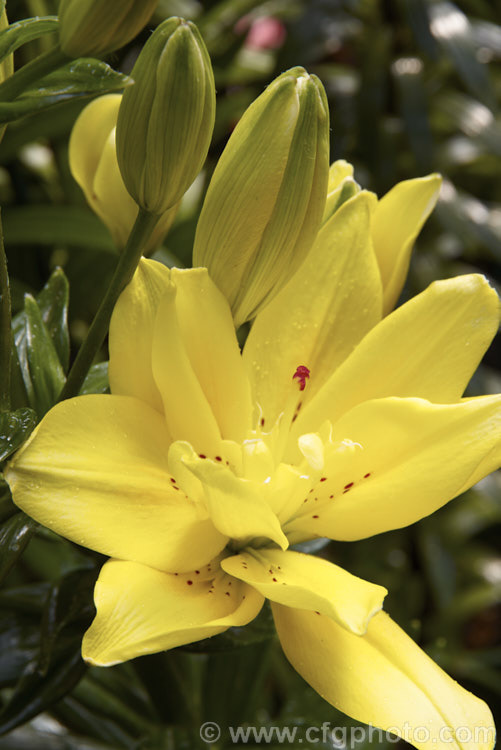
{"points": [[265, 32]]}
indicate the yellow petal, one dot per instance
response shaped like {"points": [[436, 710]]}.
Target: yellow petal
{"points": [[109, 197], [208, 333], [428, 348], [339, 170], [396, 223], [308, 582], [88, 137], [188, 413], [131, 334], [385, 680], [412, 458], [321, 314], [141, 610], [236, 506], [95, 471], [341, 187]]}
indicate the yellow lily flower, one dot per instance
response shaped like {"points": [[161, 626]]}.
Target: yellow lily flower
{"points": [[205, 465], [396, 220], [94, 165]]}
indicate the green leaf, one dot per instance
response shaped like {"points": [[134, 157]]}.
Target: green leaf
{"points": [[14, 536], [7, 507], [69, 600], [74, 226], [96, 380], [19, 644], [41, 369], [81, 78], [25, 31], [53, 304], [15, 427], [57, 666], [35, 692]]}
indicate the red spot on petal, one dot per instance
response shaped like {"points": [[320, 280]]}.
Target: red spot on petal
{"points": [[226, 593], [261, 421], [202, 455], [348, 486], [197, 572], [275, 580], [190, 583], [323, 479], [331, 497], [218, 458], [315, 516], [366, 476], [173, 480], [302, 374]]}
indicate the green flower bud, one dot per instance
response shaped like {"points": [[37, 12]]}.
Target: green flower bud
{"points": [[266, 198], [166, 118], [95, 27], [93, 164]]}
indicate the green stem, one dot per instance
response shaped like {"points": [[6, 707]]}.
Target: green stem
{"points": [[5, 330], [141, 231], [31, 73]]}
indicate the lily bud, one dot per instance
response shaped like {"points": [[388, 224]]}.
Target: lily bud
{"points": [[166, 118], [93, 164], [266, 198], [95, 27]]}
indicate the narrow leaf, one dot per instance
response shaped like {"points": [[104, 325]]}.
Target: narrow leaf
{"points": [[15, 427], [53, 303], [96, 380], [14, 536], [42, 372], [25, 31], [35, 693], [81, 78]]}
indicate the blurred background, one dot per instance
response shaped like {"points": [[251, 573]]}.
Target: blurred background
{"points": [[414, 87]]}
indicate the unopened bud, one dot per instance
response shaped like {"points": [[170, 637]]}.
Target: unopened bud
{"points": [[93, 163], [166, 118], [96, 27], [266, 198]]}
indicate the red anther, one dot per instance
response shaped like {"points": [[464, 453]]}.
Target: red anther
{"points": [[301, 375]]}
